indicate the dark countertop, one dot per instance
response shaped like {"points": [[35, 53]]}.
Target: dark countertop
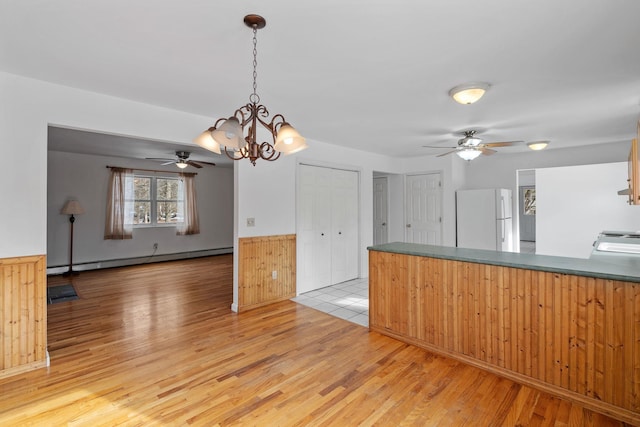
{"points": [[615, 267]]}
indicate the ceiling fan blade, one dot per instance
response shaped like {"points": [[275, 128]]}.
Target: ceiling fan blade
{"points": [[487, 151], [206, 163], [194, 164], [448, 152], [160, 160], [433, 146], [167, 163], [502, 144]]}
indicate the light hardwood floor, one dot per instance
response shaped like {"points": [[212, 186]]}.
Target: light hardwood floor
{"points": [[158, 345]]}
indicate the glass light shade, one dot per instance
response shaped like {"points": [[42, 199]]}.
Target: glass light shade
{"points": [[181, 164], [229, 134], [205, 141], [288, 140], [72, 207], [468, 154], [468, 93], [537, 145]]}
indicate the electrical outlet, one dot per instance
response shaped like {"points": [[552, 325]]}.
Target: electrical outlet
{"points": [[155, 246], [251, 222], [274, 274]]}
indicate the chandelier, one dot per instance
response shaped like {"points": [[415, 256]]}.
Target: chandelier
{"points": [[230, 132]]}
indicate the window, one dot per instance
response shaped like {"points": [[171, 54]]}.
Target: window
{"points": [[157, 200]]}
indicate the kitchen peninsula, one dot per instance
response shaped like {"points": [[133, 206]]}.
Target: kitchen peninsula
{"points": [[567, 326]]}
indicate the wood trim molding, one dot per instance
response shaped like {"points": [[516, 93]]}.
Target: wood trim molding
{"points": [[258, 258], [23, 314], [573, 336]]}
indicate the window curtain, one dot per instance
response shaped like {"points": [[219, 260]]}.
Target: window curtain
{"points": [[190, 223], [119, 224]]}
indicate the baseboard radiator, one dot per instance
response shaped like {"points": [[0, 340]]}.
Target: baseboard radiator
{"points": [[123, 262]]}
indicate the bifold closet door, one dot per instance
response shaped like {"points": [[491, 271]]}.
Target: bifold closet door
{"points": [[314, 227], [327, 227], [344, 226]]}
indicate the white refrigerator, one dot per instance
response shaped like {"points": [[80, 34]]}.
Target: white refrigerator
{"points": [[483, 219]]}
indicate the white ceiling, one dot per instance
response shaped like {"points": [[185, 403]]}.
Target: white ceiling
{"points": [[372, 75]]}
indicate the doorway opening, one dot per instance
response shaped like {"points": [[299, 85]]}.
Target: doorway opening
{"points": [[526, 180]]}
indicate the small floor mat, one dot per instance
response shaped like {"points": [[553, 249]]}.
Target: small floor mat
{"points": [[61, 293]]}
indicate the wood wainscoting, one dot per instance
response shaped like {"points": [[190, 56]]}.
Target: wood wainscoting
{"points": [[573, 336], [258, 258], [23, 314]]}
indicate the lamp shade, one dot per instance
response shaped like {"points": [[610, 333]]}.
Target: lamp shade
{"points": [[468, 154], [288, 140], [205, 141], [537, 145], [468, 93], [229, 134], [72, 207]]}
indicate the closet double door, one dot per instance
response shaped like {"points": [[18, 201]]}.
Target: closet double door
{"points": [[327, 232]]}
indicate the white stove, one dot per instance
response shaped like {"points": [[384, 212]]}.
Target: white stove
{"points": [[617, 243]]}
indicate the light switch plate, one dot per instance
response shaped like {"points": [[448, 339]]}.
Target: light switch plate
{"points": [[251, 222]]}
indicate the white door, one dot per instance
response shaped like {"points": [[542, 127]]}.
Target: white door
{"points": [[314, 228], [344, 226], [380, 210], [327, 227], [424, 209]]}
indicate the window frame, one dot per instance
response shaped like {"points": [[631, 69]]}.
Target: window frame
{"points": [[153, 200]]}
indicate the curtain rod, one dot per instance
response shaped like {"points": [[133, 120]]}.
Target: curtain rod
{"points": [[153, 170]]}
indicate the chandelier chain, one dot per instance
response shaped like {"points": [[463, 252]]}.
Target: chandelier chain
{"points": [[254, 98]]}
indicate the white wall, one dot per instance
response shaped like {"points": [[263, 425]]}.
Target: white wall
{"points": [[86, 178], [575, 203], [28, 107]]}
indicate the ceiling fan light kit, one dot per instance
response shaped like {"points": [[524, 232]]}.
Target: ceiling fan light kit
{"points": [[229, 132], [469, 93], [468, 154], [537, 145]]}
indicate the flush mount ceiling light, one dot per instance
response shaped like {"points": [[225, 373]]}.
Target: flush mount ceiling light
{"points": [[230, 132], [537, 145], [469, 93], [469, 154]]}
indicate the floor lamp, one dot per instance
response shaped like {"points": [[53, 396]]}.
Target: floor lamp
{"points": [[72, 207]]}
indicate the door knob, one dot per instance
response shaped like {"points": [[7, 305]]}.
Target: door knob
{"points": [[339, 232], [322, 234], [408, 225], [384, 224]]}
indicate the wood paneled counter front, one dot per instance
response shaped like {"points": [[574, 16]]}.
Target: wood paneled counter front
{"points": [[568, 326]]}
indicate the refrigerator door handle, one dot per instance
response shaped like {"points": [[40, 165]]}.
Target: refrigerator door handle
{"points": [[504, 230], [502, 215]]}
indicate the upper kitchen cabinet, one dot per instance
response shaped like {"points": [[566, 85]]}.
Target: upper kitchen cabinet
{"points": [[633, 187]]}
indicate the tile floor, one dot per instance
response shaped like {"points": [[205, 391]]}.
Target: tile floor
{"points": [[347, 300]]}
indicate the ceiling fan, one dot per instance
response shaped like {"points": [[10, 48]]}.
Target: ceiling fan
{"points": [[471, 146], [182, 161]]}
